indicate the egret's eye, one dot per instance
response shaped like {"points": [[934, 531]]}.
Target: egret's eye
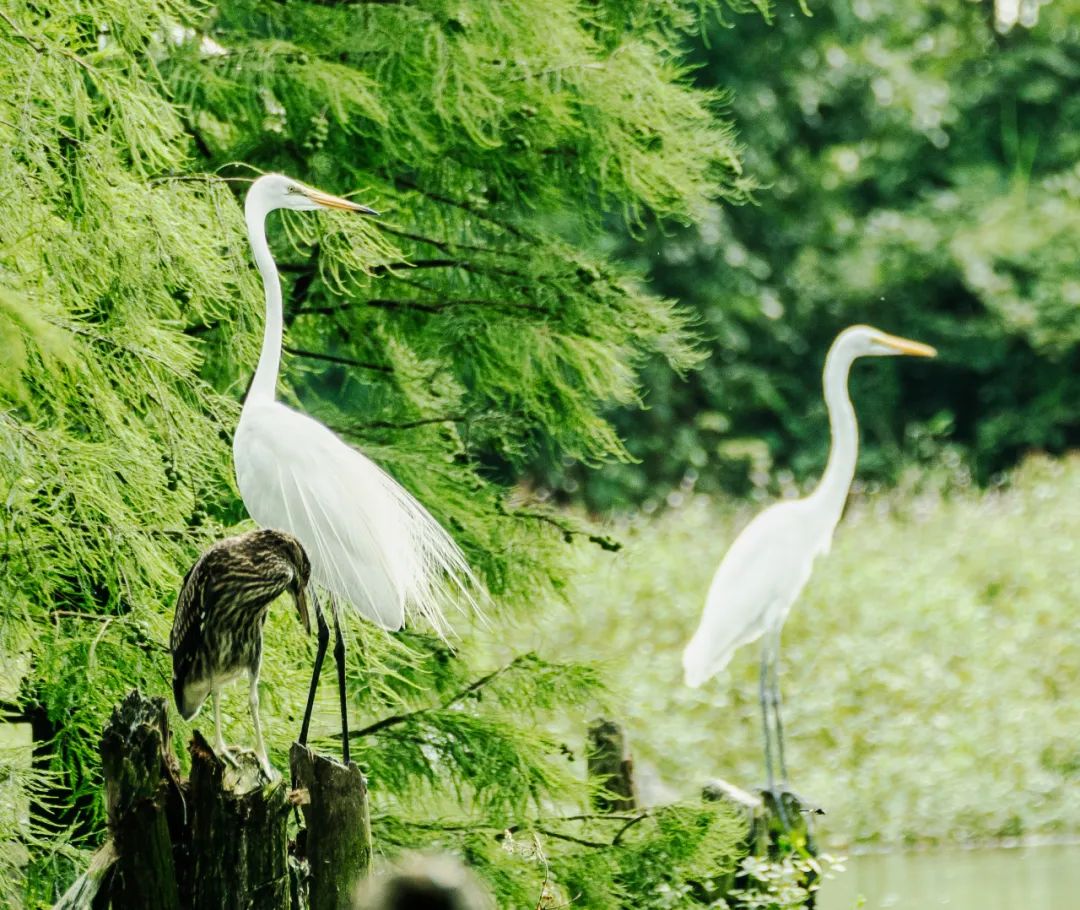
{"points": [[293, 189]]}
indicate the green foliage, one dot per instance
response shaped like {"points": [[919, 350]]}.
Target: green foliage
{"points": [[917, 171], [787, 883], [663, 858], [926, 668], [454, 339]]}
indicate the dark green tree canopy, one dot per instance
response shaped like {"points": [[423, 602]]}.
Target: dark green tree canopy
{"points": [[916, 173]]}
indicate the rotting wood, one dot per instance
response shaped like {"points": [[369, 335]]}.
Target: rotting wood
{"points": [[90, 890], [611, 767], [337, 835], [219, 840], [141, 783], [239, 856]]}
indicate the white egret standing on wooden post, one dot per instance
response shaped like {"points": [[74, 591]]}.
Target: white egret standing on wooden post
{"points": [[372, 546], [768, 565]]}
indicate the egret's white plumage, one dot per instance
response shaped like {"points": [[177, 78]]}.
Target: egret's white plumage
{"points": [[370, 542], [757, 582], [770, 562]]}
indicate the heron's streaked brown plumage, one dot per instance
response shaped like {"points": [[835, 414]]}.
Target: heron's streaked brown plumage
{"points": [[218, 627]]}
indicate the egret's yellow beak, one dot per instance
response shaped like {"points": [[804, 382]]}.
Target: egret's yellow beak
{"points": [[336, 202], [302, 609], [906, 346]]}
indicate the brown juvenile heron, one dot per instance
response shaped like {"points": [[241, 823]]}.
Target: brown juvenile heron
{"points": [[217, 632]]}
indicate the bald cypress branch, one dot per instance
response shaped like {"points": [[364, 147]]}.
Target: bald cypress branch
{"points": [[334, 358]]}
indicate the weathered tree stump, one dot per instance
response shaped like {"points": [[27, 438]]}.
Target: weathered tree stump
{"points": [[219, 840], [141, 785], [611, 767], [239, 856], [778, 824], [337, 839], [752, 806]]}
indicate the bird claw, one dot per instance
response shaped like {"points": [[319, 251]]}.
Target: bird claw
{"points": [[225, 755]]}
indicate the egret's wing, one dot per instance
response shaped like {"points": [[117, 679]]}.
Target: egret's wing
{"points": [[369, 541], [759, 578]]}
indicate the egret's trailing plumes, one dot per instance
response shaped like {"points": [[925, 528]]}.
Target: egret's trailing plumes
{"points": [[766, 568], [371, 544]]}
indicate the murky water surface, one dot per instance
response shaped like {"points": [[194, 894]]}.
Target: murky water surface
{"points": [[1021, 878]]}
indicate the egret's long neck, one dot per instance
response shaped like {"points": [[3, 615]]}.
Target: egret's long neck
{"points": [[264, 385], [840, 470]]}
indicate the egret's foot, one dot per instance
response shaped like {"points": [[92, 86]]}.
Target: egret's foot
{"points": [[776, 800], [805, 806]]}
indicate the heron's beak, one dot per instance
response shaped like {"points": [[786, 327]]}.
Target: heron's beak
{"points": [[336, 202], [302, 609], [906, 346]]}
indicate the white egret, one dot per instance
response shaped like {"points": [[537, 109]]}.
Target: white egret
{"points": [[372, 546], [769, 564]]}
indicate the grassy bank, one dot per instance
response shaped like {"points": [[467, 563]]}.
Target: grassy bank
{"points": [[931, 669]]}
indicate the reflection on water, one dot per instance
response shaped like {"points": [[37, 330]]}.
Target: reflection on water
{"points": [[1023, 878]]}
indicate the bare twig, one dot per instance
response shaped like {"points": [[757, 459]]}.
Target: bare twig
{"points": [[475, 686], [629, 824], [333, 358]]}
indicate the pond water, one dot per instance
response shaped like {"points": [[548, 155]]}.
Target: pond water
{"points": [[1020, 878]]}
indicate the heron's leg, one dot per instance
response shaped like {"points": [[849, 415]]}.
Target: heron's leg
{"points": [[765, 726], [339, 659], [320, 652], [219, 741], [774, 693], [768, 657], [253, 704]]}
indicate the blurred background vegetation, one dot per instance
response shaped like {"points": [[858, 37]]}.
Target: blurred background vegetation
{"points": [[930, 667], [917, 170]]}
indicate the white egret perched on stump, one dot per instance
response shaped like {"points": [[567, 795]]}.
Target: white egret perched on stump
{"points": [[769, 564], [372, 545]]}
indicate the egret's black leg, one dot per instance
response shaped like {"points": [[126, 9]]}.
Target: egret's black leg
{"points": [[323, 631], [339, 658], [765, 726]]}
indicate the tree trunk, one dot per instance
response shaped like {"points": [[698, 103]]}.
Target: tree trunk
{"points": [[218, 841], [610, 767], [239, 856], [337, 841], [141, 783]]}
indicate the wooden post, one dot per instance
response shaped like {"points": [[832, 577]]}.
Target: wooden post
{"points": [[610, 767], [220, 839], [337, 843], [238, 833], [752, 807], [141, 780], [778, 824]]}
